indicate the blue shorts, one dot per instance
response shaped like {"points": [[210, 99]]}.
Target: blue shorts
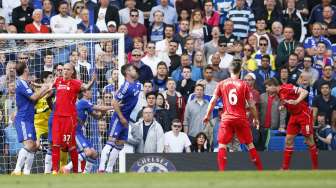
{"points": [[81, 141], [117, 130], [50, 120], [25, 130]]}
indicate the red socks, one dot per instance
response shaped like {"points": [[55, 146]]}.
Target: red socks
{"points": [[255, 158], [287, 157], [83, 163], [221, 159], [313, 156], [55, 153], [74, 160]]}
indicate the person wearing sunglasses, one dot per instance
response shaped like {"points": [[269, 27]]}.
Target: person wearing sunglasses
{"points": [[135, 28], [176, 141], [263, 45]]}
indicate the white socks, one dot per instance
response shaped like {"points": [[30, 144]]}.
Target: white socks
{"points": [[21, 160], [112, 159], [28, 163], [47, 163], [104, 157]]}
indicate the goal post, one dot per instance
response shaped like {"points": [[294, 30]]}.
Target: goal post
{"points": [[103, 52]]}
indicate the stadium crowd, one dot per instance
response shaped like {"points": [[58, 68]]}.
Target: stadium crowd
{"points": [[182, 49]]}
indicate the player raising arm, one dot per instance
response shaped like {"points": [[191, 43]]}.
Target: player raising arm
{"points": [[65, 116], [24, 119], [300, 121], [234, 93]]}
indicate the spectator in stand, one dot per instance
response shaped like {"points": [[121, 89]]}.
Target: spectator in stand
{"points": [[316, 14], [137, 44], [283, 75], [48, 64], [228, 35], [324, 133], [277, 31], [310, 44], [48, 12], [293, 19], [225, 57], [85, 25], [262, 32], [212, 46], [271, 118], [156, 28], [161, 113], [263, 73], [223, 7], [145, 6], [304, 82], [111, 27], [36, 26], [257, 56], [10, 76], [329, 19], [175, 60], [286, 47], [58, 70], [196, 73], [105, 13], [300, 51], [189, 48], [136, 29], [325, 103], [147, 134], [307, 68], [198, 31], [186, 85], [183, 32], [211, 17], [150, 102], [8, 6], [322, 58], [200, 143], [219, 74], [194, 112], [145, 72], [92, 7], [293, 69], [184, 14], [100, 69], [62, 23], [22, 15], [151, 58], [208, 82], [249, 63], [3, 61], [84, 66], [160, 80], [163, 45], [326, 77], [142, 102], [128, 40], [125, 12], [2, 24], [8, 102], [175, 101], [270, 13], [185, 4], [12, 146], [198, 65], [77, 8], [170, 15], [176, 141], [243, 20]]}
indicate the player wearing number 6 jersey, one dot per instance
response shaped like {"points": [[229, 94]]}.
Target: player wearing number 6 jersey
{"points": [[65, 116], [235, 95]]}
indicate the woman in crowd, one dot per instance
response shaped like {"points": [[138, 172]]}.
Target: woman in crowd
{"points": [[200, 144], [198, 31], [161, 112]]}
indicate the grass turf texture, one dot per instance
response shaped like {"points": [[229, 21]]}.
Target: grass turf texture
{"points": [[236, 179]]}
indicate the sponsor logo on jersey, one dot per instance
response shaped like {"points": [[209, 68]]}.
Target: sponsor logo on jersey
{"points": [[153, 164]]}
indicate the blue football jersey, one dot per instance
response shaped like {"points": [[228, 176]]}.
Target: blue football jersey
{"points": [[25, 106], [84, 107], [128, 96]]}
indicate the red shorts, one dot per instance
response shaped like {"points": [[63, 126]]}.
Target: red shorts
{"points": [[229, 127], [301, 123], [64, 131]]}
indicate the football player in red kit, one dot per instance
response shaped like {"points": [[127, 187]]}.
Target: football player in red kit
{"points": [[236, 96], [65, 116], [300, 121]]}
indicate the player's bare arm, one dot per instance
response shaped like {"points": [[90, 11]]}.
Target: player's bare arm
{"points": [[211, 106], [45, 89], [302, 95], [102, 108], [90, 84], [253, 109], [116, 106]]}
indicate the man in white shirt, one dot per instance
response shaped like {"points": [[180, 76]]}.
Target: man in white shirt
{"points": [[226, 58], [176, 141], [170, 15], [152, 60], [62, 23], [124, 13], [105, 13], [163, 45]]}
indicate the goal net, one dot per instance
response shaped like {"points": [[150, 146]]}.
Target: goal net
{"points": [[100, 54]]}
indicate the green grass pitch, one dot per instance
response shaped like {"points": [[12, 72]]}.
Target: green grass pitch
{"points": [[236, 179]]}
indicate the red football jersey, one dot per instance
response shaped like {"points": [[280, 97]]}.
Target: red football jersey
{"points": [[235, 93], [66, 96], [290, 92]]}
